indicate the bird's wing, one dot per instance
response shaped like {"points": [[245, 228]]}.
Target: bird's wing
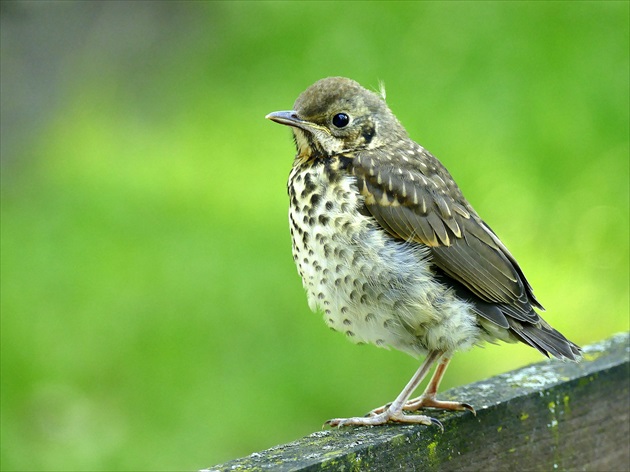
{"points": [[416, 199]]}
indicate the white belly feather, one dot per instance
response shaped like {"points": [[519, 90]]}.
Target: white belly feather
{"points": [[367, 284]]}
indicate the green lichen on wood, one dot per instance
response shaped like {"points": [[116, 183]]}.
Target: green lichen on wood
{"points": [[564, 403]]}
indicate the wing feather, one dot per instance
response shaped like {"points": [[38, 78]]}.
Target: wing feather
{"points": [[419, 201]]}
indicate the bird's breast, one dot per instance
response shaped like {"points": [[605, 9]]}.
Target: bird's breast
{"points": [[370, 286]]}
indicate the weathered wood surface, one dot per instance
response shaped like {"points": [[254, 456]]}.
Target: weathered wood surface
{"points": [[545, 417]]}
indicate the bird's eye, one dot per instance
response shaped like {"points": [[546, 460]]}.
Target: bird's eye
{"points": [[340, 120]]}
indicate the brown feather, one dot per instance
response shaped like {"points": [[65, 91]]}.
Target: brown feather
{"points": [[430, 209]]}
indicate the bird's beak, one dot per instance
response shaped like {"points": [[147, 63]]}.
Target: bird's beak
{"points": [[289, 118]]}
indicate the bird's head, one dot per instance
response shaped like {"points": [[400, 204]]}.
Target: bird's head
{"points": [[337, 115]]}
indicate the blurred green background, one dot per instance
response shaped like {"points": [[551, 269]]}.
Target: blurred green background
{"points": [[152, 317]]}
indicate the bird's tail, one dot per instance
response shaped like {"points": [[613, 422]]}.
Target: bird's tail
{"points": [[546, 339]]}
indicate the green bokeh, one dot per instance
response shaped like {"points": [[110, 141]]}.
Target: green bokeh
{"points": [[152, 317]]}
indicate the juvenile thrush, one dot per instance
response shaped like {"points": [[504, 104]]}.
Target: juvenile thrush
{"points": [[391, 252]]}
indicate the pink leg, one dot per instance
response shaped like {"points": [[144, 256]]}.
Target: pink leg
{"points": [[394, 411], [427, 399]]}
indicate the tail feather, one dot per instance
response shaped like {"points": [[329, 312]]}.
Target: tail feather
{"points": [[547, 340]]}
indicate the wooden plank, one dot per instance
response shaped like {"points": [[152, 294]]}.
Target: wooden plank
{"points": [[549, 416]]}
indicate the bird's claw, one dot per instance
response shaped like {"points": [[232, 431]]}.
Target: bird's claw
{"points": [[386, 417], [469, 407], [437, 423]]}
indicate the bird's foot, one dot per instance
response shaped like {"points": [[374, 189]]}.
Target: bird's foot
{"points": [[388, 415], [425, 401]]}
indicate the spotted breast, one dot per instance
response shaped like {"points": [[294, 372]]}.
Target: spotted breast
{"points": [[371, 287]]}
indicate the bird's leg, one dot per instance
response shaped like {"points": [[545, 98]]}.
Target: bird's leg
{"points": [[427, 399], [394, 411]]}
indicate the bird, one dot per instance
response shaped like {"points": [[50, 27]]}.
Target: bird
{"points": [[390, 251]]}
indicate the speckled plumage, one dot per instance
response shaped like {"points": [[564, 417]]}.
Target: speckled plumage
{"points": [[389, 249], [371, 287]]}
